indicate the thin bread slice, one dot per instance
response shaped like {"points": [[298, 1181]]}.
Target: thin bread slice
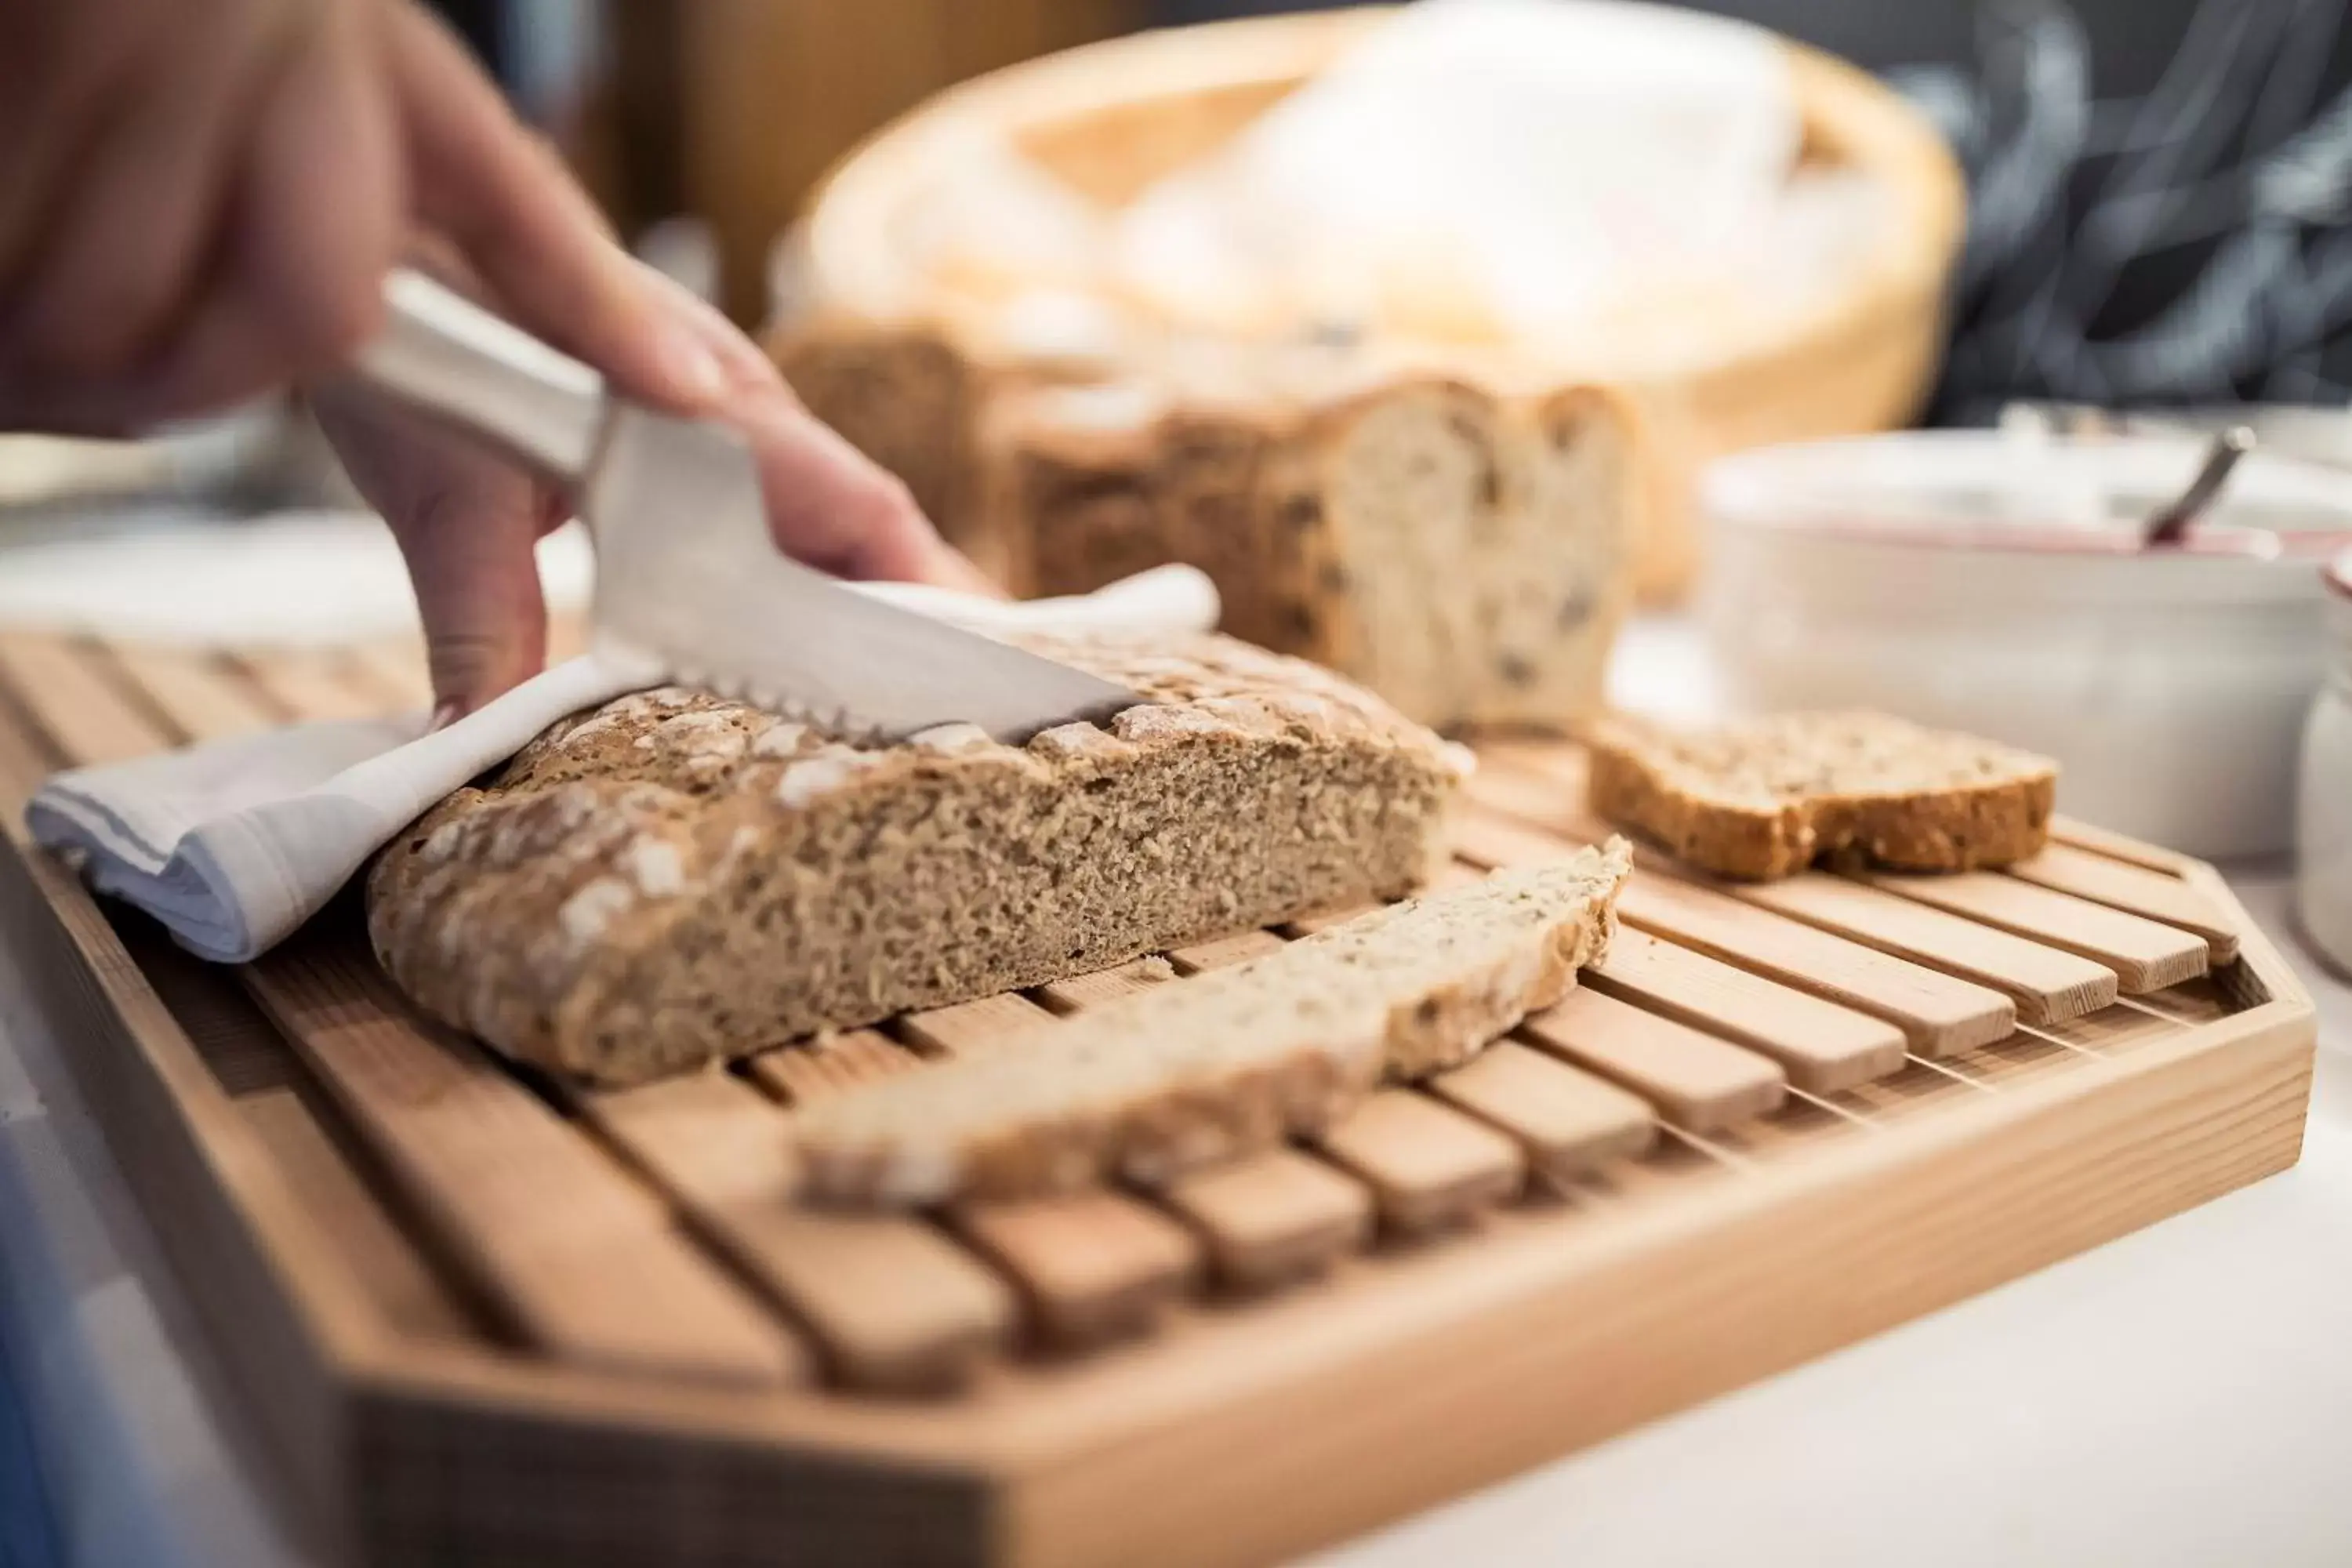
{"points": [[1228, 1062], [1765, 798]]}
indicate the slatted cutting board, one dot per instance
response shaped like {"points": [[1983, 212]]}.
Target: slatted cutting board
{"points": [[480, 1315]]}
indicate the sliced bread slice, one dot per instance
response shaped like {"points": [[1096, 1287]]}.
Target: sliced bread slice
{"points": [[1767, 797], [1225, 1063]]}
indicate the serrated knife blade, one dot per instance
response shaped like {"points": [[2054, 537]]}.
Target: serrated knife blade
{"points": [[686, 572]]}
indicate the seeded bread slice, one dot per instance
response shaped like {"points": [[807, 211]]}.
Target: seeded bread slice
{"points": [[1766, 798], [1228, 1062], [677, 878]]}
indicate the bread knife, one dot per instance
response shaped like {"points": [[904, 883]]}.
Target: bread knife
{"points": [[688, 576]]}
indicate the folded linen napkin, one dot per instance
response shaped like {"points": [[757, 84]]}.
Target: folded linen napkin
{"points": [[235, 844]]}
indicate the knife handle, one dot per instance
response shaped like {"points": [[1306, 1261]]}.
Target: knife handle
{"points": [[445, 355]]}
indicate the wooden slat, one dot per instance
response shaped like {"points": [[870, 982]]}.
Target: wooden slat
{"points": [[1273, 1217], [1225, 950], [397, 671], [1262, 1218], [2046, 983], [1822, 1047], [1568, 1121], [1120, 981], [2020, 1057], [1938, 1013], [411, 1298], [1698, 1081], [1674, 1167], [1798, 1126], [1428, 1166], [267, 1084], [1559, 1130], [2145, 955], [989, 1024], [1563, 1120], [65, 690], [586, 1263], [1307, 925], [1503, 785], [1921, 1086], [2082, 835], [1088, 1265], [2199, 1000], [2114, 1029], [2135, 888], [307, 684], [799, 1074], [892, 1304], [200, 698], [1553, 770], [1452, 874], [2144, 959]]}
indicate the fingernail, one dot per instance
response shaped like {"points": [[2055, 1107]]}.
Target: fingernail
{"points": [[693, 370], [446, 714]]}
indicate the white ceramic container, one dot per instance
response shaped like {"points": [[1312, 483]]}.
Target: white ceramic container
{"points": [[2323, 870], [1996, 584]]}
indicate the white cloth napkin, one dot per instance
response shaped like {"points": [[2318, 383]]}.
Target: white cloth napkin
{"points": [[235, 844]]}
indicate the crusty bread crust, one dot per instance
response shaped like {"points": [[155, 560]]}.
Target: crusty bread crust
{"points": [[1767, 798], [677, 878], [1200, 1071]]}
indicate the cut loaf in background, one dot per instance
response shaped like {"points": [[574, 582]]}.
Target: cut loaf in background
{"points": [[1464, 554], [676, 877], [1228, 1062], [1767, 797]]}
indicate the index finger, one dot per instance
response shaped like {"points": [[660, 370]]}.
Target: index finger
{"points": [[527, 229]]}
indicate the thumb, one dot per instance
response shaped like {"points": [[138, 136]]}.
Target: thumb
{"points": [[468, 526], [470, 559]]}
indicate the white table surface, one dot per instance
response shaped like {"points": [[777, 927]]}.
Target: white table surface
{"points": [[2179, 1398]]}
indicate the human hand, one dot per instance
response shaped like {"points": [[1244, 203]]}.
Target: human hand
{"points": [[199, 201]]}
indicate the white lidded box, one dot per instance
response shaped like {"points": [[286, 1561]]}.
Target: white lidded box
{"points": [[2323, 877], [1996, 584]]}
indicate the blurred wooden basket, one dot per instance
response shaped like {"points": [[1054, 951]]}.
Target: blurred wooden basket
{"points": [[882, 350]]}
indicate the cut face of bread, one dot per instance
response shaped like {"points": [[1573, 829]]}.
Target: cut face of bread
{"points": [[1767, 797], [1464, 554], [677, 878], [1483, 551], [1228, 1062]]}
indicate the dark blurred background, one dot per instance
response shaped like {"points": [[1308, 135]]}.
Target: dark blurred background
{"points": [[2160, 186]]}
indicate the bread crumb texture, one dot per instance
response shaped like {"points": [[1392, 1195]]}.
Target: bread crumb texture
{"points": [[1227, 1062], [674, 877], [1765, 798]]}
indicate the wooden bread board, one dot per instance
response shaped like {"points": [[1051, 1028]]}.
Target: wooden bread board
{"points": [[479, 1316]]}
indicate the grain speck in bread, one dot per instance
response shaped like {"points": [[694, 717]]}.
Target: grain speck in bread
{"points": [[1767, 797], [676, 877], [1198, 1071]]}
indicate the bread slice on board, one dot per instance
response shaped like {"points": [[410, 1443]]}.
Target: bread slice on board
{"points": [[677, 878], [1767, 797], [1192, 1073]]}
